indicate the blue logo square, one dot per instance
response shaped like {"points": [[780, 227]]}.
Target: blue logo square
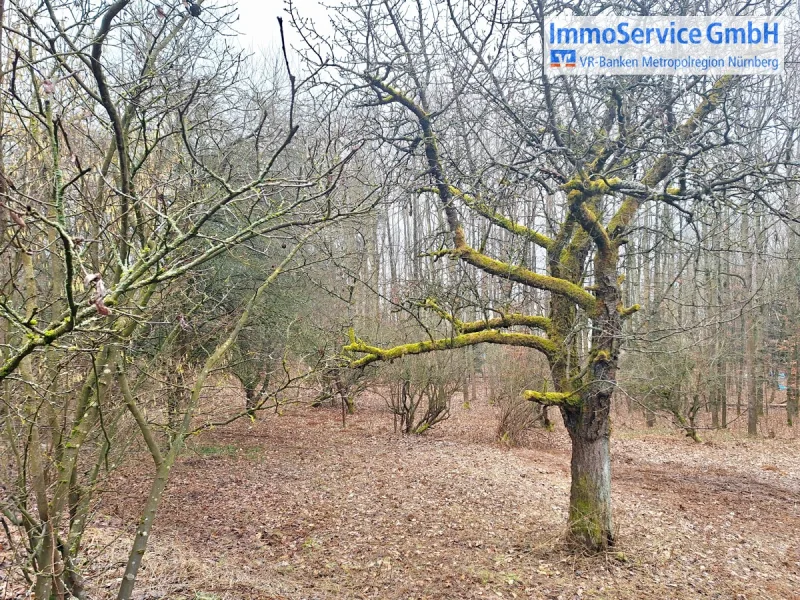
{"points": [[563, 58]]}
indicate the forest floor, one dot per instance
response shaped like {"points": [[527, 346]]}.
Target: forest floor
{"points": [[296, 507]]}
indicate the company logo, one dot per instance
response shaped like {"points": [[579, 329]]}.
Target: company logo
{"points": [[664, 45], [562, 58]]}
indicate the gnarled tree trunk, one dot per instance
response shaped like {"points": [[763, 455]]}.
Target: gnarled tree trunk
{"points": [[590, 518]]}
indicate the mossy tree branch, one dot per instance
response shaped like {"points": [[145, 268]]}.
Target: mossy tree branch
{"points": [[555, 285], [552, 398], [588, 220], [490, 336], [502, 322], [506, 321]]}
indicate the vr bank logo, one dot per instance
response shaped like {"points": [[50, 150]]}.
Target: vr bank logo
{"points": [[562, 58]]}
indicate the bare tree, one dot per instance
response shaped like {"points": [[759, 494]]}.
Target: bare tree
{"points": [[457, 92], [138, 150]]}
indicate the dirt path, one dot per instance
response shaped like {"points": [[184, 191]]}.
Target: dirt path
{"points": [[295, 507]]}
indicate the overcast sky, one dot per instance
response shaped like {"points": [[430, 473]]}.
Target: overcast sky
{"points": [[258, 22]]}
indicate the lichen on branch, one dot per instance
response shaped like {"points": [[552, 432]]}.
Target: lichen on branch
{"points": [[555, 285], [491, 336], [504, 321], [552, 398]]}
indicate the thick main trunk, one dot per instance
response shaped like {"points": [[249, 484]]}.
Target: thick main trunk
{"points": [[590, 519], [590, 523]]}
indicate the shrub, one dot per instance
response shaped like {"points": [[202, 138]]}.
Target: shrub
{"points": [[420, 390]]}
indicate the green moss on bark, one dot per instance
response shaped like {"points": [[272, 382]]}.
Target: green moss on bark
{"points": [[587, 520]]}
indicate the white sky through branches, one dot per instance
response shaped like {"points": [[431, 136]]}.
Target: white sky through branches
{"points": [[258, 21]]}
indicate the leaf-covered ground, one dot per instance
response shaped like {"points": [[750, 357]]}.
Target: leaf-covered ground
{"points": [[295, 507]]}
